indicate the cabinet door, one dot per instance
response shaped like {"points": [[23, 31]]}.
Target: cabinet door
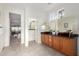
{"points": [[42, 38], [46, 39], [50, 41], [69, 46], [60, 43], [56, 42]]}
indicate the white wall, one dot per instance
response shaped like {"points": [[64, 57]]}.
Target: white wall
{"points": [[78, 37], [40, 16], [32, 35], [6, 23], [1, 29], [6, 27], [71, 16], [28, 13], [72, 24]]}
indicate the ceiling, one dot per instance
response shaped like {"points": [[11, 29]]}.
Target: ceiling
{"points": [[38, 6]]}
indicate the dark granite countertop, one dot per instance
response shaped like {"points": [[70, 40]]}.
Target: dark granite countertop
{"points": [[50, 33], [63, 34]]}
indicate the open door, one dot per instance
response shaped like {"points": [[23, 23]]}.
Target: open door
{"points": [[15, 29], [17, 26]]}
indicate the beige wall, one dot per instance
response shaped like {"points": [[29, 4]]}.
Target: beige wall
{"points": [[1, 29], [70, 16], [72, 24], [40, 16], [5, 22]]}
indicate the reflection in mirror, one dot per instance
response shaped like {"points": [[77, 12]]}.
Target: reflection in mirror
{"points": [[32, 25]]}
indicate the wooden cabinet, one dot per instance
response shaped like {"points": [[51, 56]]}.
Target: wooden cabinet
{"points": [[69, 46], [50, 41], [42, 38], [65, 45], [46, 39], [61, 43], [56, 42]]}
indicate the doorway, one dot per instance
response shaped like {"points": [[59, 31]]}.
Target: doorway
{"points": [[15, 29]]}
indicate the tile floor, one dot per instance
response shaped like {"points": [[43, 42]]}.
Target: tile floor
{"points": [[34, 49]]}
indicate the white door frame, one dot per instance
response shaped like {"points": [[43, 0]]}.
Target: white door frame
{"points": [[21, 12]]}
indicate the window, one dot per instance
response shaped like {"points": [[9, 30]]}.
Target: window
{"points": [[61, 13], [56, 15], [53, 16]]}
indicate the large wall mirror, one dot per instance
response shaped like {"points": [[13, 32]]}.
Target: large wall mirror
{"points": [[32, 25]]}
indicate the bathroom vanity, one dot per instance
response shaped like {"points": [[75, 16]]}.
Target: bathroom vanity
{"points": [[61, 42]]}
